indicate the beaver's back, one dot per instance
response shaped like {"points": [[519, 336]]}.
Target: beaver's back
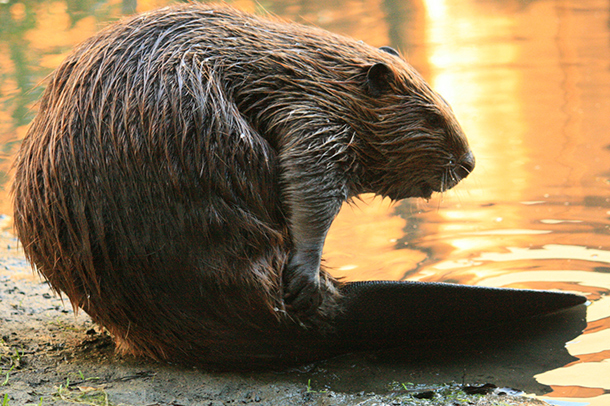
{"points": [[143, 194]]}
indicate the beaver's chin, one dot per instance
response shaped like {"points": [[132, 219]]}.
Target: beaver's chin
{"points": [[423, 190]]}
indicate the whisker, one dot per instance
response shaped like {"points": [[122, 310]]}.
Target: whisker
{"points": [[454, 178], [443, 187], [467, 170]]}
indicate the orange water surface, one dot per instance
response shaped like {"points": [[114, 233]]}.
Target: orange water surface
{"points": [[529, 81]]}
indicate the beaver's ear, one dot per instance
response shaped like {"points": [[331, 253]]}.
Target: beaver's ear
{"points": [[390, 50], [379, 79]]}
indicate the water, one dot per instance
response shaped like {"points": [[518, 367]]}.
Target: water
{"points": [[530, 83]]}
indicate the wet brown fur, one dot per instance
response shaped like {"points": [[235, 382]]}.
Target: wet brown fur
{"points": [[151, 188]]}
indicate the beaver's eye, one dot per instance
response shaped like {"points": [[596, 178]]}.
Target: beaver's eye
{"points": [[435, 120]]}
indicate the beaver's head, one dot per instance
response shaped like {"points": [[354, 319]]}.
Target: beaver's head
{"points": [[416, 144]]}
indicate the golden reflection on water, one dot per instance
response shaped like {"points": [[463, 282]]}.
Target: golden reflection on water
{"points": [[525, 83], [458, 39], [556, 41], [367, 250]]}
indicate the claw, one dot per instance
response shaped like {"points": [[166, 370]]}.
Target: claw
{"points": [[302, 293]]}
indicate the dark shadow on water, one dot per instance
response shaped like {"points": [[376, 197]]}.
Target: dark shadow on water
{"points": [[510, 355]]}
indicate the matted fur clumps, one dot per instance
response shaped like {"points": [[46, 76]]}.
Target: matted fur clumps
{"points": [[161, 183]]}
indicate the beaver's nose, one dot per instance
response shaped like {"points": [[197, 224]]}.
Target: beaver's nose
{"points": [[464, 165]]}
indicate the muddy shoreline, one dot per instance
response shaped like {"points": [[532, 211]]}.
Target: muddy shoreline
{"points": [[49, 356]]}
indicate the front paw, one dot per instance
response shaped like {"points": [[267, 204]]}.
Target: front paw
{"points": [[302, 293]]}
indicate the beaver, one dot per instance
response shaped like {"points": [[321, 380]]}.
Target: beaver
{"points": [[185, 165]]}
